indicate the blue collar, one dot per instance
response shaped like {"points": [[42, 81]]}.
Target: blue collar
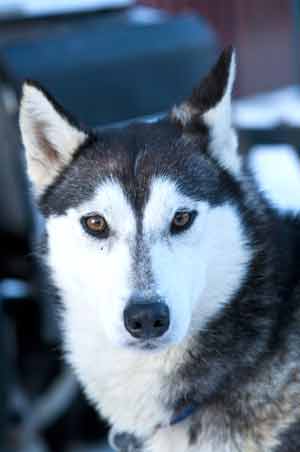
{"points": [[183, 412]]}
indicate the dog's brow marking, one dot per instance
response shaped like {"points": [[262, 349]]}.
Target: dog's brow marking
{"points": [[137, 162]]}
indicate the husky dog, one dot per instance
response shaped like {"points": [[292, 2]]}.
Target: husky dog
{"points": [[177, 280]]}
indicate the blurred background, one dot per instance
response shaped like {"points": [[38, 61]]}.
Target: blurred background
{"points": [[110, 61]]}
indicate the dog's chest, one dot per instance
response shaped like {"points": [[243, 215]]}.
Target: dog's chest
{"points": [[128, 390], [183, 439], [216, 431]]}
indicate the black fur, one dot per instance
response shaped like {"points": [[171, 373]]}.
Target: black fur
{"points": [[290, 439], [135, 155], [212, 87]]}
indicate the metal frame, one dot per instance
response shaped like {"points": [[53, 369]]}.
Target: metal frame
{"points": [[4, 377], [296, 38]]}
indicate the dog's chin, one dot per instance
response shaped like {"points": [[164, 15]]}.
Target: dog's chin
{"points": [[146, 346], [150, 345]]}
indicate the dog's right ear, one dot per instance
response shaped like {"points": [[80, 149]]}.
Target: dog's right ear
{"points": [[49, 136], [210, 106]]}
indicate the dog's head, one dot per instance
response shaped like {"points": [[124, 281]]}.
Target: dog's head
{"points": [[144, 239]]}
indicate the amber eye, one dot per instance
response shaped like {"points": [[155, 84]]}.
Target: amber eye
{"points": [[95, 225], [182, 220]]}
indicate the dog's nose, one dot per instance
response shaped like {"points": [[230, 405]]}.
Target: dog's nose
{"points": [[147, 320]]}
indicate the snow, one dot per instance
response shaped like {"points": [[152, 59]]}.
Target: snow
{"points": [[269, 109], [277, 171]]}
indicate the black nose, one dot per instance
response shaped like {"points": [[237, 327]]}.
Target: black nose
{"points": [[147, 320]]}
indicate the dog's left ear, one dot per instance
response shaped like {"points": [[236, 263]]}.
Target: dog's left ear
{"points": [[210, 105], [50, 136]]}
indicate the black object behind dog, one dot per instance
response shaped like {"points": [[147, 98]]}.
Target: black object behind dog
{"points": [[112, 68]]}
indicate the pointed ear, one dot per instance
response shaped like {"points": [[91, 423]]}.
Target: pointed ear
{"points": [[210, 105], [49, 136]]}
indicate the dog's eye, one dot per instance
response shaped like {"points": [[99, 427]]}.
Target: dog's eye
{"points": [[95, 225], [182, 220]]}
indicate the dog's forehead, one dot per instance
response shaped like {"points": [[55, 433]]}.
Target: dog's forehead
{"points": [[134, 156]]}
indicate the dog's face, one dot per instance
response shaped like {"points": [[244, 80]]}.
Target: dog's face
{"points": [[144, 240]]}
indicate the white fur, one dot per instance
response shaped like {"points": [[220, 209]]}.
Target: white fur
{"points": [[277, 171], [196, 273], [178, 271], [39, 117], [224, 144], [97, 270], [182, 264]]}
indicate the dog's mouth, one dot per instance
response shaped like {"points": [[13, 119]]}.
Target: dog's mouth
{"points": [[148, 345]]}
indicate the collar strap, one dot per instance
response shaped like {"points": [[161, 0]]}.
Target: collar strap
{"points": [[183, 411]]}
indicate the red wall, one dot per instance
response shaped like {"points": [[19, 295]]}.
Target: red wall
{"points": [[260, 30]]}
